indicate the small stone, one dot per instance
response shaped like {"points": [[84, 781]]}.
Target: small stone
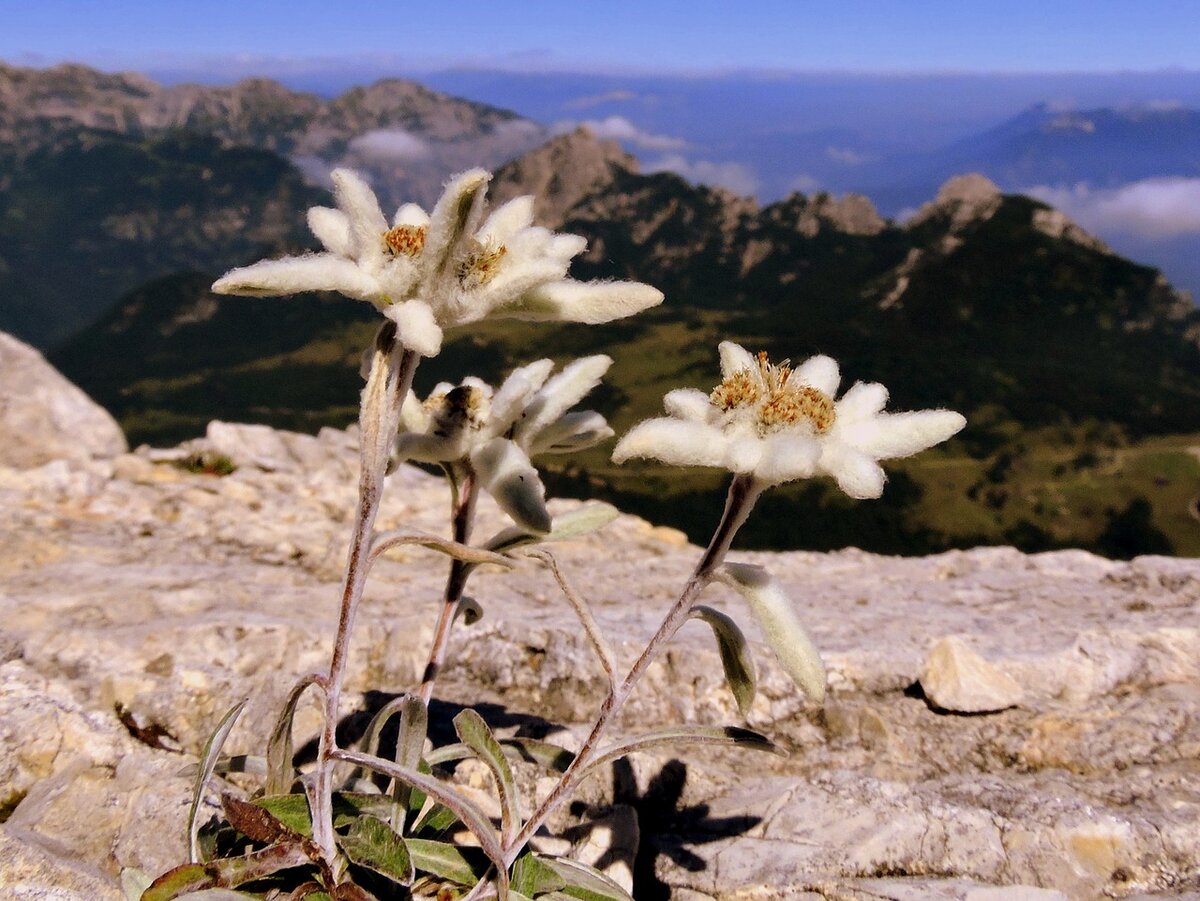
{"points": [[957, 679]]}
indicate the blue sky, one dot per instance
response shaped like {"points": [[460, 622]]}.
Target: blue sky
{"points": [[651, 35]]}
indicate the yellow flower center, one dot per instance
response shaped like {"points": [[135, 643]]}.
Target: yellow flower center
{"points": [[463, 406], [405, 240], [480, 266], [776, 403]]}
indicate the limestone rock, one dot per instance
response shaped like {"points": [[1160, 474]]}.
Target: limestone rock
{"points": [[174, 593], [43, 417], [957, 679]]}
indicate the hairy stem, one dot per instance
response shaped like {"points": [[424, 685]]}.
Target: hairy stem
{"points": [[392, 368], [743, 492], [463, 518]]}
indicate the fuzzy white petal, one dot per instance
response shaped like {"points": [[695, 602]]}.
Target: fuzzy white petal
{"points": [[821, 372], [291, 275], [332, 228], [589, 302], [559, 394], [514, 280], [416, 327], [862, 401], [743, 454], [508, 219], [410, 214], [507, 475], [514, 393], [572, 432], [892, 435], [786, 458], [674, 441], [367, 224], [429, 448], [413, 415], [786, 635], [856, 473], [688, 404], [453, 221], [566, 247], [735, 358]]}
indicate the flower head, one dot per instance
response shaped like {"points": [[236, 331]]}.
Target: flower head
{"points": [[497, 432], [779, 424], [431, 271]]}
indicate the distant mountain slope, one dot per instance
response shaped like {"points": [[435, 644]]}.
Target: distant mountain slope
{"points": [[407, 136], [89, 215], [1048, 146], [108, 181]]}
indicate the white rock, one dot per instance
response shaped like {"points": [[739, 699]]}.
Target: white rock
{"points": [[955, 678], [44, 417]]}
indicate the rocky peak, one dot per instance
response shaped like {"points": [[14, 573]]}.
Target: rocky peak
{"points": [[852, 214], [964, 199], [43, 417], [562, 172]]}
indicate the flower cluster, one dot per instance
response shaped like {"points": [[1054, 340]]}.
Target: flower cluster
{"points": [[431, 271], [496, 432], [779, 424]]}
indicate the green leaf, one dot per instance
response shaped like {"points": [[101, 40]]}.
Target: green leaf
{"points": [[470, 610], [533, 876], [255, 822], [290, 810], [580, 521], [735, 655], [475, 733], [587, 883], [226, 872], [781, 627], [673, 735], [551, 756], [410, 742], [373, 844], [465, 866], [280, 772], [208, 761], [470, 815]]}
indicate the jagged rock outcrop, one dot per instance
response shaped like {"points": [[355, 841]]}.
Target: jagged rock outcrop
{"points": [[43, 417], [561, 173], [963, 199], [149, 583]]}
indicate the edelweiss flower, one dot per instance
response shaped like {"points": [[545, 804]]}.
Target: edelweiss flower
{"points": [[428, 272], [497, 432], [779, 424]]}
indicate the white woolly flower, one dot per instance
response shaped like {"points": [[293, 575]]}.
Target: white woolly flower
{"points": [[498, 432], [428, 272], [779, 424]]}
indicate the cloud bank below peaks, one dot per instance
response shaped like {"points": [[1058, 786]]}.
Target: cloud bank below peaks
{"points": [[618, 128], [1152, 209]]}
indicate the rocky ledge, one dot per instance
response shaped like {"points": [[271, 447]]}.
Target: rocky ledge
{"points": [[999, 726]]}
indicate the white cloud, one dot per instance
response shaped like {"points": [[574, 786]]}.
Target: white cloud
{"points": [[390, 145], [618, 96], [519, 129], [1152, 208], [315, 169], [847, 156], [804, 184], [618, 128], [736, 177]]}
